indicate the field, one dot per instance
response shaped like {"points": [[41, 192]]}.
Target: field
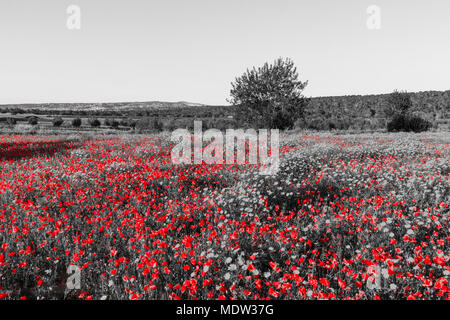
{"points": [[346, 217]]}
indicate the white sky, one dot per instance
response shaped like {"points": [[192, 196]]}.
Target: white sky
{"points": [[173, 50]]}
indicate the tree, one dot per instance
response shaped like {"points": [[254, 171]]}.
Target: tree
{"points": [[152, 124], [156, 124], [106, 122], [76, 122], [114, 123], [33, 121], [398, 109], [132, 123], [57, 122], [94, 122], [398, 102], [270, 96]]}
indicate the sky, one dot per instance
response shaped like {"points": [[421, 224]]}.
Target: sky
{"points": [[191, 50]]}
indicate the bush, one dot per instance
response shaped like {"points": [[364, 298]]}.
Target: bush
{"points": [[113, 123], [57, 122], [170, 125], [76, 122], [270, 96], [94, 123], [317, 124], [132, 123], [417, 124], [33, 121], [407, 123], [11, 121], [149, 124], [156, 124]]}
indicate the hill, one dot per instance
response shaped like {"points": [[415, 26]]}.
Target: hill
{"points": [[323, 113], [368, 111]]}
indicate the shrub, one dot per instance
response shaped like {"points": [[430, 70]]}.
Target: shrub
{"points": [[156, 124], [170, 125], [94, 123], [76, 122], [318, 124], [407, 123], [300, 124], [132, 123], [417, 124], [33, 121], [270, 96], [57, 122], [11, 121], [149, 124], [142, 124], [114, 123]]}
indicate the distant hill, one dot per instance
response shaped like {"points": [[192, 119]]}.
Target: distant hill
{"points": [[114, 106], [366, 111], [431, 104], [341, 112]]}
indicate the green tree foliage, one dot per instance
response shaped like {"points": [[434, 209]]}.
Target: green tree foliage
{"points": [[270, 96]]}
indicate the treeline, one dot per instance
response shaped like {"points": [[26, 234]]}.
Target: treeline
{"points": [[321, 113], [368, 112], [177, 112]]}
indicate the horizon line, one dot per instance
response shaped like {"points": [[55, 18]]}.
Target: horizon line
{"points": [[199, 104]]}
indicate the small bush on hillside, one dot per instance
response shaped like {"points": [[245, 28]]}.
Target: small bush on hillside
{"points": [[398, 109], [132, 123], [57, 122], [170, 125], [156, 124], [124, 122], [149, 124], [114, 123], [94, 123], [408, 123], [11, 121], [76, 122], [417, 124], [33, 121]]}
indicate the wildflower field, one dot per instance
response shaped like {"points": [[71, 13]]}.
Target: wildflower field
{"points": [[346, 217]]}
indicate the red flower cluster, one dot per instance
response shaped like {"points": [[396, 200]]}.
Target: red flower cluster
{"points": [[345, 218]]}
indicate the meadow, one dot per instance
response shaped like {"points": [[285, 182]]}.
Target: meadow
{"points": [[347, 217]]}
